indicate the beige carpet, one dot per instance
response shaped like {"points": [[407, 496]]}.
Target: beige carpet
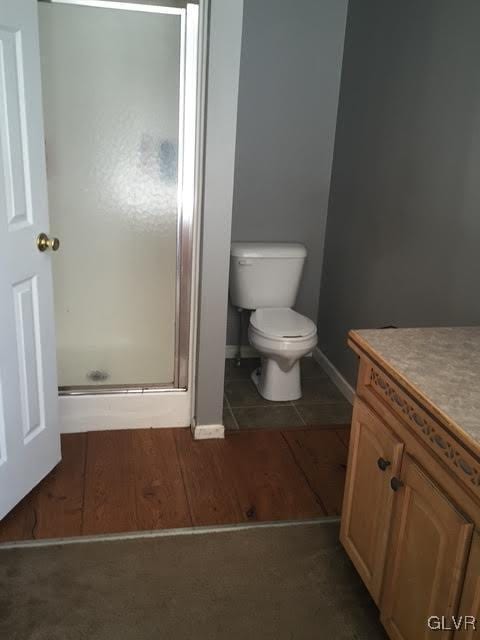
{"points": [[289, 582]]}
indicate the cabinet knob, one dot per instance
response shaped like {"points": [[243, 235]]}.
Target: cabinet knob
{"points": [[383, 464], [396, 484]]}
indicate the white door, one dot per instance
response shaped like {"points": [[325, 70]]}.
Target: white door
{"points": [[29, 432]]}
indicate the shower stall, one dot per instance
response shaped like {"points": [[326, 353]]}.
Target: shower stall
{"points": [[120, 109]]}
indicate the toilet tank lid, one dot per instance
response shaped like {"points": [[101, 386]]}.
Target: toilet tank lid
{"points": [[268, 250]]}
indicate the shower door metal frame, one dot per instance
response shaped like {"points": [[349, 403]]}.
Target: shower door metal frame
{"points": [[188, 187]]}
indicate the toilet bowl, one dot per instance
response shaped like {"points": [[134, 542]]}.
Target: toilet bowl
{"points": [[281, 336]]}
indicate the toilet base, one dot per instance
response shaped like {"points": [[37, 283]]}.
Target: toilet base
{"points": [[275, 384]]}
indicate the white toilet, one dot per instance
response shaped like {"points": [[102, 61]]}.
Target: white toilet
{"points": [[264, 277]]}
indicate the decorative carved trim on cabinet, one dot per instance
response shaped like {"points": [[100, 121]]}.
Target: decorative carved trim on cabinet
{"points": [[459, 461]]}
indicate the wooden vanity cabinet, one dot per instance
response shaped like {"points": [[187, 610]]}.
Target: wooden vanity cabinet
{"points": [[411, 511], [375, 455], [426, 556], [470, 601]]}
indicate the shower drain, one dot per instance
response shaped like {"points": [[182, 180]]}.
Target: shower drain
{"points": [[97, 375]]}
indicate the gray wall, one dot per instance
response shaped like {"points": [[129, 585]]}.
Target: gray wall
{"points": [[220, 129], [403, 234], [288, 96]]}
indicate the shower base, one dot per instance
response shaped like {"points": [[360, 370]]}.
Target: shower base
{"points": [[94, 368]]}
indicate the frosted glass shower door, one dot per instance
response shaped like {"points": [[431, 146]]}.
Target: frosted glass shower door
{"points": [[112, 98]]}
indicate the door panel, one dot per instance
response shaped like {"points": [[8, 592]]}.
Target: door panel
{"points": [[430, 541], [29, 433], [3, 444], [470, 602], [368, 499], [27, 323], [13, 137]]}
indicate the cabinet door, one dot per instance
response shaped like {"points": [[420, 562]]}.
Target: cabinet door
{"points": [[426, 558], [374, 457], [470, 601]]}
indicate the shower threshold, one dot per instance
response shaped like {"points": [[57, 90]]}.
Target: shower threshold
{"points": [[117, 389]]}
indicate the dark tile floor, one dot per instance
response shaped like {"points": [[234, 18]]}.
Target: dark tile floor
{"points": [[322, 404]]}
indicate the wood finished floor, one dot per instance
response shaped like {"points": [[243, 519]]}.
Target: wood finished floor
{"points": [[142, 479]]}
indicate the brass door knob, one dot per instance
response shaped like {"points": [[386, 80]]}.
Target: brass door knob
{"points": [[44, 242]]}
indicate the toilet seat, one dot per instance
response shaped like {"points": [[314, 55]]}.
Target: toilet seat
{"points": [[282, 324]]}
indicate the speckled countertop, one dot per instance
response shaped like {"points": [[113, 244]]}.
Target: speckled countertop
{"points": [[442, 365]]}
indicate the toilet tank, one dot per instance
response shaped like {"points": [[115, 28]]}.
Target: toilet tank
{"points": [[265, 274]]}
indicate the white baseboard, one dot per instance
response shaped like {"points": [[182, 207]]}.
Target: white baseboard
{"points": [[334, 374], [208, 431], [246, 350]]}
